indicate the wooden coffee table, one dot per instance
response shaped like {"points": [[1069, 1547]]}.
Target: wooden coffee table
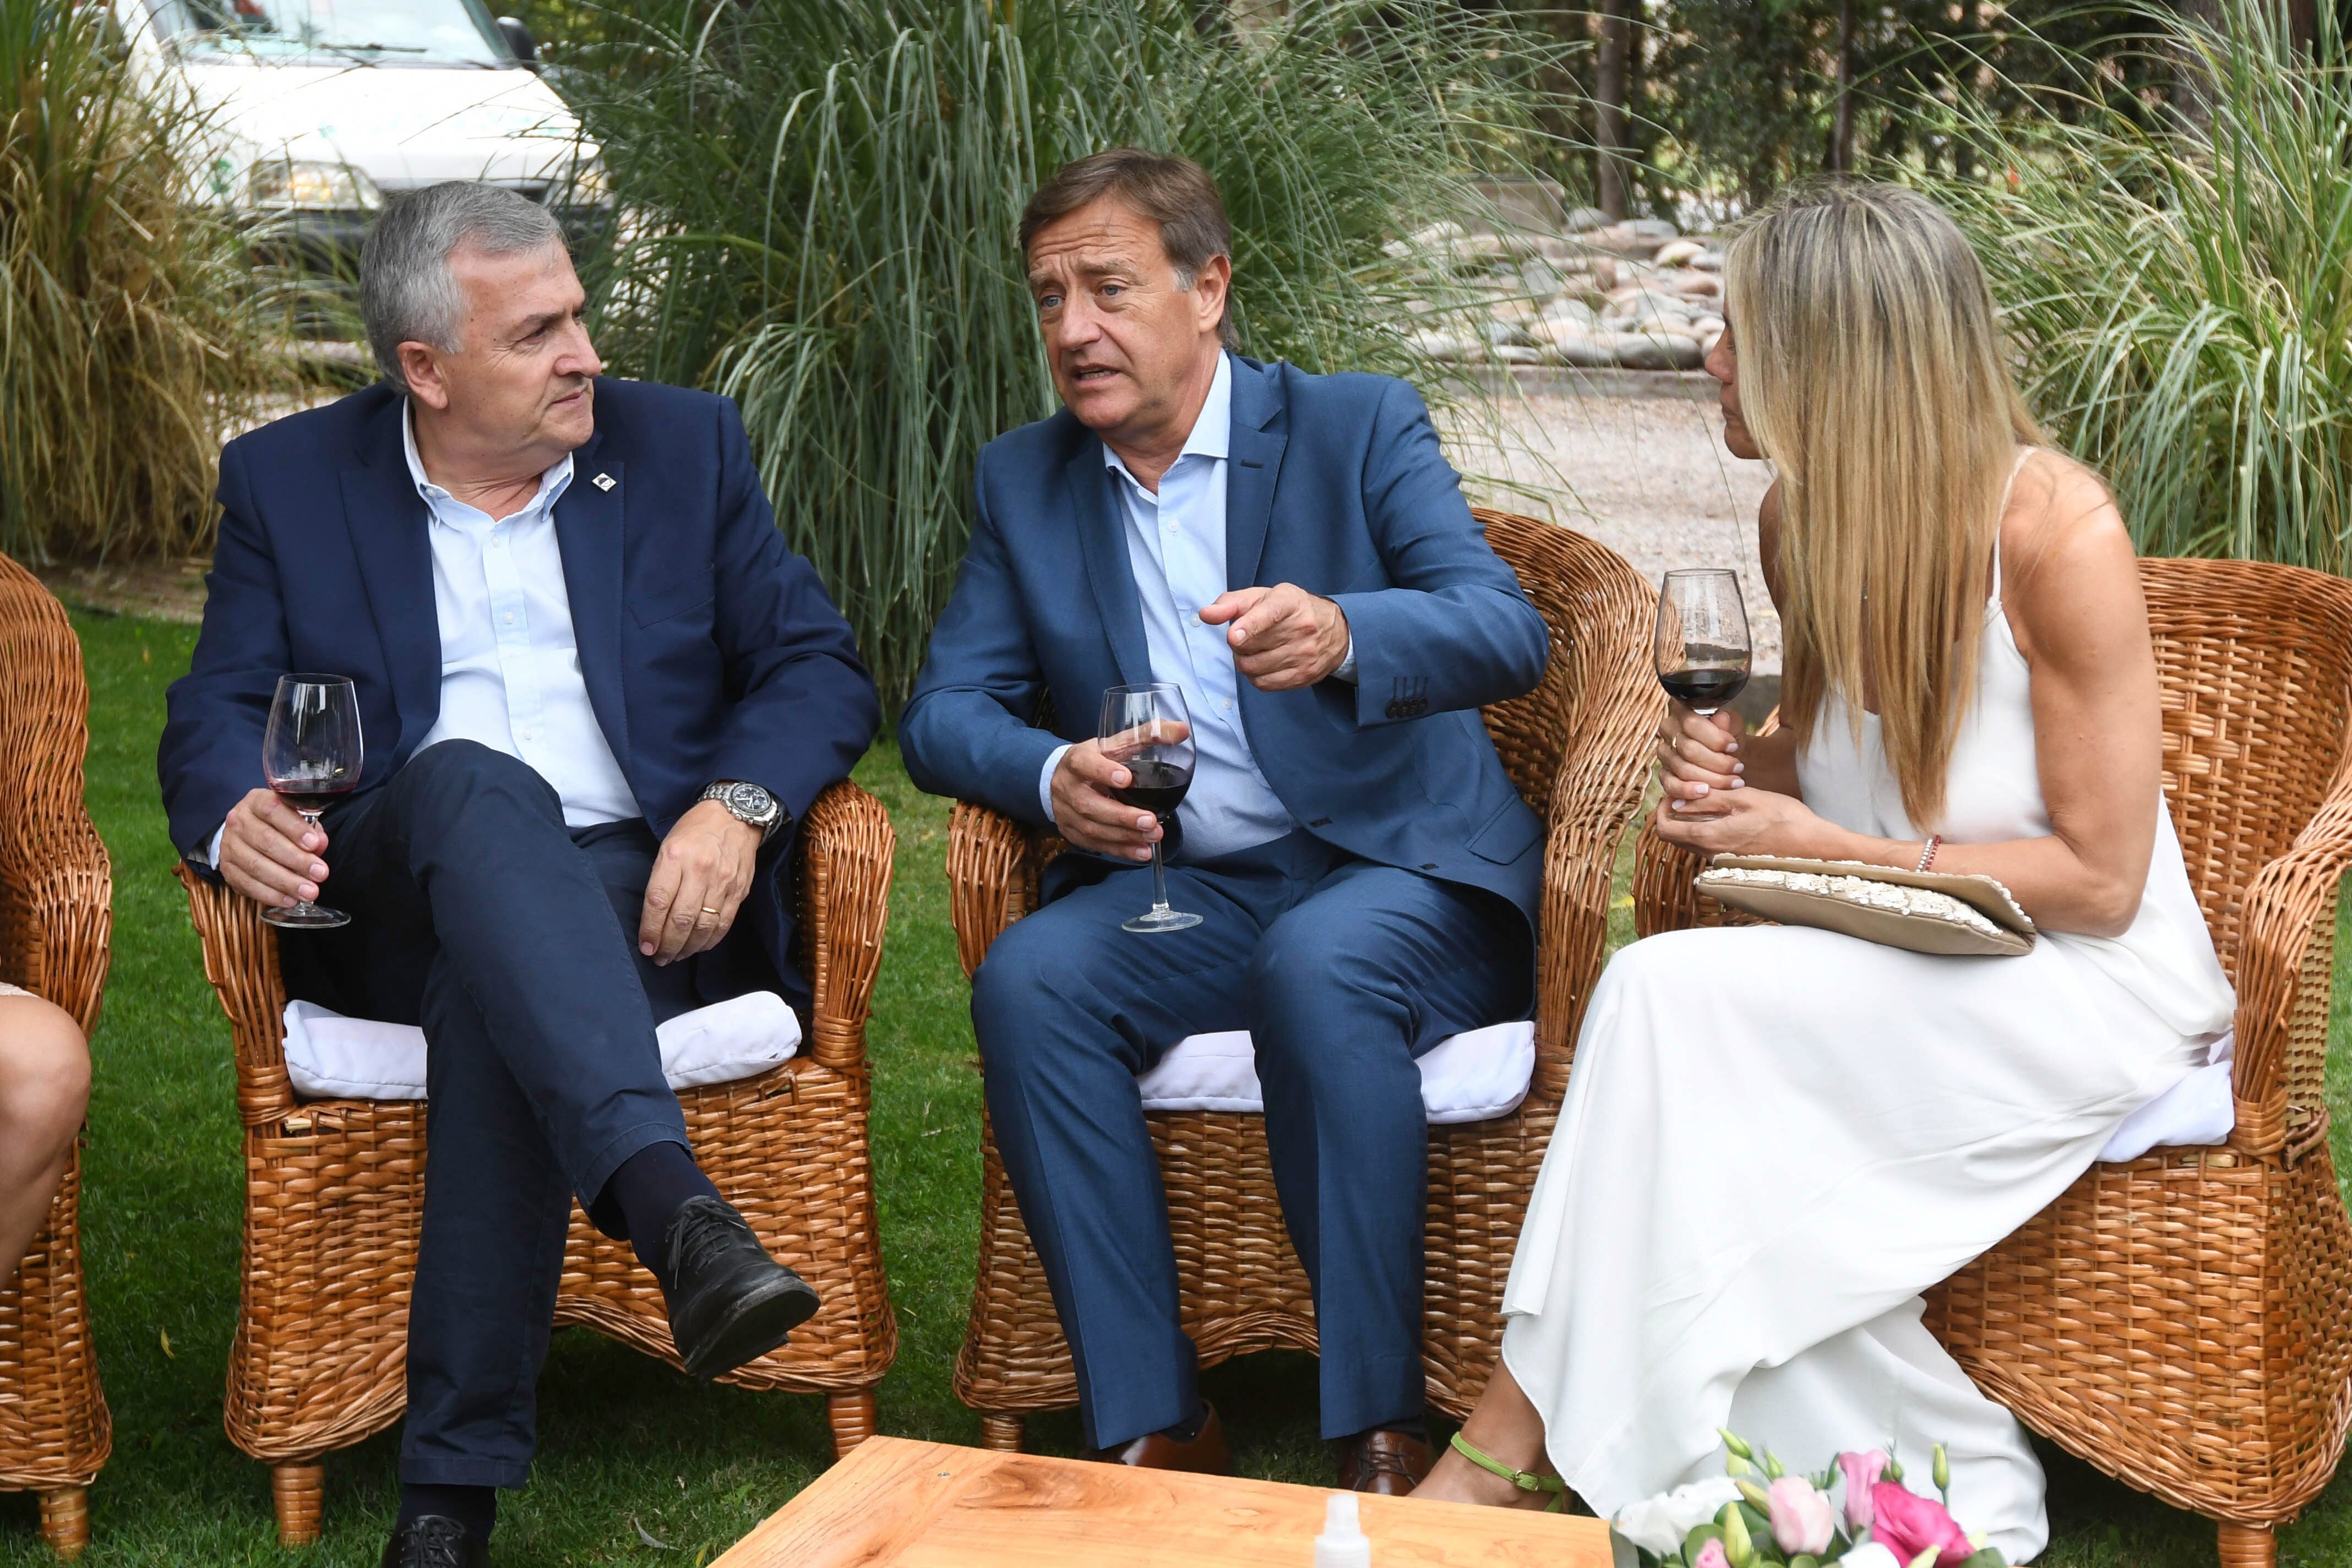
{"points": [[898, 1504]]}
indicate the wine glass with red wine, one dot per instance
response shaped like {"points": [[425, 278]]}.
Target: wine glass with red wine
{"points": [[311, 755], [1147, 731], [1702, 645]]}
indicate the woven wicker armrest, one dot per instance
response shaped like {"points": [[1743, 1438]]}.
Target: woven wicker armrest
{"points": [[846, 858], [992, 879], [1665, 889], [241, 961], [59, 947], [2288, 938], [1597, 791]]}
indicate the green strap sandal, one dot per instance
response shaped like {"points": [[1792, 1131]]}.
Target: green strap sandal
{"points": [[1525, 1480]]}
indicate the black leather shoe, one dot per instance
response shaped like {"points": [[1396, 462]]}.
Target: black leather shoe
{"points": [[729, 1302], [434, 1542]]}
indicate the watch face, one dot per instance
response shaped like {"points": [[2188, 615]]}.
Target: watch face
{"points": [[749, 800]]}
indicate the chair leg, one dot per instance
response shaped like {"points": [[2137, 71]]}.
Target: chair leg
{"points": [[299, 1492], [2249, 1546], [65, 1521], [854, 1416], [1001, 1432]]}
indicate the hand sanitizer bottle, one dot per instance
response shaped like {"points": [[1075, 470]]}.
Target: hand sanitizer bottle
{"points": [[1342, 1543]]}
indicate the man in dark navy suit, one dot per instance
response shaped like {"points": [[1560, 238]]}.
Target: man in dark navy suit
{"points": [[1293, 553], [597, 691]]}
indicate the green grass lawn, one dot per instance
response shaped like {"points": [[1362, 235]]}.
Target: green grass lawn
{"points": [[628, 1449]]}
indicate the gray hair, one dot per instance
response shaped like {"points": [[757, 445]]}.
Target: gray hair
{"points": [[406, 293]]}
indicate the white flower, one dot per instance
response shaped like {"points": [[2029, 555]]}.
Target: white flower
{"points": [[1659, 1525], [1870, 1555]]}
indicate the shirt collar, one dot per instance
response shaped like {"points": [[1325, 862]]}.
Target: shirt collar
{"points": [[1213, 431], [552, 484]]}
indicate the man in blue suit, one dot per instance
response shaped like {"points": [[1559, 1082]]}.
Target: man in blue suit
{"points": [[597, 691], [1293, 552]]}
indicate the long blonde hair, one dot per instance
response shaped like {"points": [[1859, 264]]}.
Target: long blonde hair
{"points": [[1871, 372]]}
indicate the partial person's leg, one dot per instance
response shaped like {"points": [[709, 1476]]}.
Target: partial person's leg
{"points": [[1506, 1427], [1347, 989], [1889, 1383], [469, 846], [497, 1208], [44, 1090], [1068, 1010]]}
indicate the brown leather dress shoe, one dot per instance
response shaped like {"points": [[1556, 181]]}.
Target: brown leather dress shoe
{"points": [[1388, 1463], [1205, 1454]]}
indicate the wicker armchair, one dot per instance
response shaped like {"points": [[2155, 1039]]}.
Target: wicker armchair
{"points": [[334, 1192], [1577, 748], [55, 915], [2183, 1322]]}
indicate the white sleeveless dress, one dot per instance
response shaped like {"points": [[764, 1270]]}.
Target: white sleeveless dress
{"points": [[1776, 1138]]}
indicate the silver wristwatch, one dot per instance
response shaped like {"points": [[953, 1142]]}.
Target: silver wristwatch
{"points": [[749, 803]]}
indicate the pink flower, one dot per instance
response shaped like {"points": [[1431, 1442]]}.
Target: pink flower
{"points": [[1712, 1556], [1908, 1524], [1803, 1519], [1862, 1472]]}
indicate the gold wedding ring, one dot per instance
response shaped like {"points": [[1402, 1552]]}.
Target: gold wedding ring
{"points": [[708, 910]]}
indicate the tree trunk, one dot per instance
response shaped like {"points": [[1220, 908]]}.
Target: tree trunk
{"points": [[1612, 183], [1841, 158], [1963, 80]]}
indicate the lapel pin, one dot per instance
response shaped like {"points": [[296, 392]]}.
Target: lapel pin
{"points": [[603, 481]]}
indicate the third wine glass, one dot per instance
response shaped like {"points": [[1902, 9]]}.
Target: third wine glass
{"points": [[1702, 640]]}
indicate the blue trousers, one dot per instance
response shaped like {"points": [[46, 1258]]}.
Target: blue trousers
{"points": [[512, 939], [1343, 971]]}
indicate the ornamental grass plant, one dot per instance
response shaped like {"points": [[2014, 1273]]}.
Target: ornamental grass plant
{"points": [[131, 335], [2180, 294], [821, 201]]}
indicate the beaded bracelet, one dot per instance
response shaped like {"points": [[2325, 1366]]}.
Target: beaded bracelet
{"points": [[1927, 856]]}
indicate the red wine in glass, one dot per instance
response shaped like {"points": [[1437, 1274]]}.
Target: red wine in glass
{"points": [[1701, 643], [1157, 787], [1147, 731], [311, 755]]}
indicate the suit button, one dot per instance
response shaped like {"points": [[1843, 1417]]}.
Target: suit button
{"points": [[1416, 707], [1397, 711]]}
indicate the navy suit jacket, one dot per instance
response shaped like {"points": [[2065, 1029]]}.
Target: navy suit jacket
{"points": [[1334, 483], [710, 650]]}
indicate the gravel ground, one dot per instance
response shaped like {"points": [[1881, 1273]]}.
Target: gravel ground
{"points": [[1646, 475]]}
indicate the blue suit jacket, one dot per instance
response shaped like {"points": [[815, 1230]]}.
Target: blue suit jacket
{"points": [[710, 651], [1334, 483]]}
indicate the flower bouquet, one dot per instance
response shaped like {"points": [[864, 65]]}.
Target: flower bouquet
{"points": [[1758, 1515]]}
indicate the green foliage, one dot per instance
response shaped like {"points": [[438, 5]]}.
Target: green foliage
{"points": [[2180, 295], [1740, 96], [825, 197], [128, 336]]}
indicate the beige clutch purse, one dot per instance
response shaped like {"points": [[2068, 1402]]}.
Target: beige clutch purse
{"points": [[1920, 911]]}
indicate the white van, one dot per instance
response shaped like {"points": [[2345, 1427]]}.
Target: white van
{"points": [[319, 108]]}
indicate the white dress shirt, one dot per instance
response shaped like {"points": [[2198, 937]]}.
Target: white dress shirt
{"points": [[509, 662], [1176, 550]]}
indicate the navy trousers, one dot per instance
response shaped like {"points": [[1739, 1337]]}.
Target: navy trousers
{"points": [[512, 939], [1343, 971]]}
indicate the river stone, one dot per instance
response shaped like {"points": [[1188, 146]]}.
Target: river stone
{"points": [[1515, 353], [1658, 351], [1679, 253], [1649, 228]]}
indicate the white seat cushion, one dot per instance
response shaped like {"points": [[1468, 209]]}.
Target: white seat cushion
{"points": [[2200, 1110], [330, 1057], [1471, 1077]]}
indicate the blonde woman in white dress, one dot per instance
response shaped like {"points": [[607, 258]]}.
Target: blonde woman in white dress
{"points": [[1776, 1138], [43, 1089]]}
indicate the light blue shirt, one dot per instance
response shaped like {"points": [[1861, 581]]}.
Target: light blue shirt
{"points": [[1176, 549], [509, 662]]}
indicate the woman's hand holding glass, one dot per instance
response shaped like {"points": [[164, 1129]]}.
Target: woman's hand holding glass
{"points": [[1698, 754]]}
